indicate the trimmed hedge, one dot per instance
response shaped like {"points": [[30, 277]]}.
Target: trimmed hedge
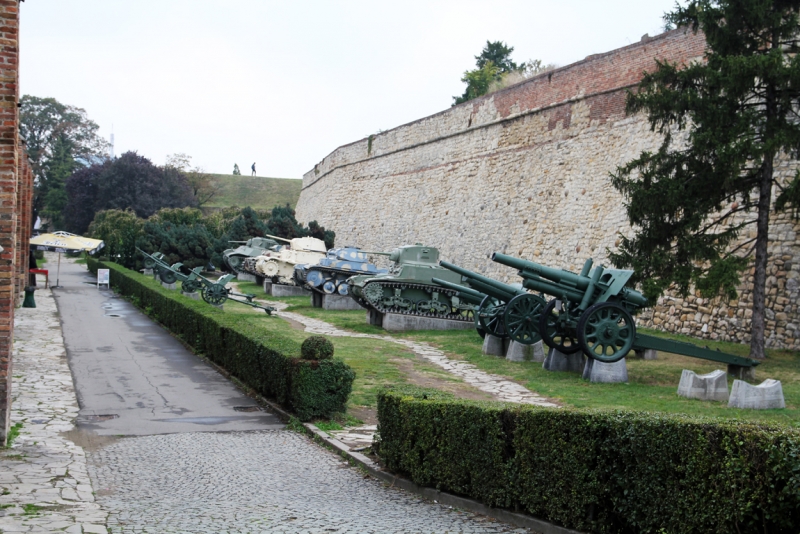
{"points": [[597, 471], [266, 361]]}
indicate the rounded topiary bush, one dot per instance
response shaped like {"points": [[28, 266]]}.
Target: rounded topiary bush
{"points": [[317, 348]]}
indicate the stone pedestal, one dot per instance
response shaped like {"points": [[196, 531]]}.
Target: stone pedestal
{"points": [[609, 373], [765, 396], [710, 386], [168, 286], [517, 352], [333, 302], [395, 322], [742, 373], [267, 287], [147, 272], [647, 354], [374, 318], [556, 361], [280, 290], [246, 277], [493, 346], [193, 295]]}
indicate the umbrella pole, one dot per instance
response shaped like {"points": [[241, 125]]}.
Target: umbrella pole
{"points": [[58, 272]]}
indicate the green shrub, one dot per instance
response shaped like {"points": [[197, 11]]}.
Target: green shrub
{"points": [[264, 360], [317, 348], [597, 471]]}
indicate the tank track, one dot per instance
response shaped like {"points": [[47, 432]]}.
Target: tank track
{"points": [[329, 270], [249, 266], [453, 316]]}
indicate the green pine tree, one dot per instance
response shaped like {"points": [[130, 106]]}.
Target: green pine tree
{"points": [[690, 203]]}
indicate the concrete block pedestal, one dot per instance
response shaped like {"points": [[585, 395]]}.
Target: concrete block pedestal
{"points": [[193, 295], [710, 386], [396, 322], [147, 272], [517, 352], [280, 290], [494, 346], [333, 302], [765, 396], [609, 373], [374, 318], [246, 277], [168, 286], [556, 361]]}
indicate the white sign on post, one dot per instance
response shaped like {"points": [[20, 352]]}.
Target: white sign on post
{"points": [[102, 278]]}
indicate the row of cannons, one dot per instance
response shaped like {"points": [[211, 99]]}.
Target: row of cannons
{"points": [[591, 312]]}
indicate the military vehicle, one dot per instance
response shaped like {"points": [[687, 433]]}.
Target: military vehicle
{"points": [[278, 265], [330, 275], [234, 257], [408, 287]]}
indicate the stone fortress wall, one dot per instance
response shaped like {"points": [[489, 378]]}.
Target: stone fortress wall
{"points": [[525, 171]]}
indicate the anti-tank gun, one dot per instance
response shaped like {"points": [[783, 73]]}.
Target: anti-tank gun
{"points": [[506, 310], [593, 312]]}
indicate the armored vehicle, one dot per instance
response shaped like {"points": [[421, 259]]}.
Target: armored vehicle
{"points": [[330, 275], [278, 266], [234, 257], [408, 287]]}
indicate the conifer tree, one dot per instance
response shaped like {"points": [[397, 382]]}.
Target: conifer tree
{"points": [[725, 122]]}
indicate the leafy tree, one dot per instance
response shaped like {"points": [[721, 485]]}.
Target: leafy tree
{"points": [[119, 230], [55, 171], [689, 202], [203, 187], [81, 190], [191, 245], [56, 135]]}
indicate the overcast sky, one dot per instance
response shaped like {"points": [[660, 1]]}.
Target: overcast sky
{"points": [[283, 83]]}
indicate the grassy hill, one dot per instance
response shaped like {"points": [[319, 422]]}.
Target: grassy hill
{"points": [[255, 191]]}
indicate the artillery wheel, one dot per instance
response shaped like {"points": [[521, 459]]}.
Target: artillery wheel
{"points": [[606, 332], [168, 277], [149, 263], [554, 334], [490, 317], [215, 294], [190, 286], [521, 318]]}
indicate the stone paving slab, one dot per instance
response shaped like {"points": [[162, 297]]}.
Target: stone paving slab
{"points": [[44, 481], [256, 482]]}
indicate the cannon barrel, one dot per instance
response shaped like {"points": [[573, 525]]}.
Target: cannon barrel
{"points": [[559, 276], [484, 284], [374, 252], [279, 238], [465, 293]]}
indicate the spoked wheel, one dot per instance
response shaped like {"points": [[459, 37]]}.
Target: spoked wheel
{"points": [[606, 332], [168, 277], [521, 318], [490, 317], [215, 294], [554, 331], [190, 286], [149, 263]]}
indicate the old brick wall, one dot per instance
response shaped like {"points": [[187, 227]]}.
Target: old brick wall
{"points": [[15, 196], [525, 171]]}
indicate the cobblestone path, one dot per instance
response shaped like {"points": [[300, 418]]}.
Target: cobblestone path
{"points": [[256, 482], [43, 478]]}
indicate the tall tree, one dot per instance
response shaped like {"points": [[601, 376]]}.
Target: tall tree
{"points": [[204, 187], [724, 122], [53, 130]]}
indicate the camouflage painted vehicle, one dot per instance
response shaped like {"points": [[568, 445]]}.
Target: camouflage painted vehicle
{"points": [[278, 265], [330, 275], [408, 287], [256, 246]]}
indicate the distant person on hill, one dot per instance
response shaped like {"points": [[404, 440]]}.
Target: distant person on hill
{"points": [[254, 169], [236, 171]]}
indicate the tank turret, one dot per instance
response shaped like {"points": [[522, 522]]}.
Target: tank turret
{"points": [[256, 246], [330, 275], [407, 287]]}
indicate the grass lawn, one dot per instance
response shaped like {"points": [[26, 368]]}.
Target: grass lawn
{"points": [[256, 191], [652, 384]]}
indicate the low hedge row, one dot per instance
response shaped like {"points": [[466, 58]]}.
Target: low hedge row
{"points": [[264, 360], [597, 471]]}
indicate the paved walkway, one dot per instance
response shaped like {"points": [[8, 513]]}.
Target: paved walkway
{"points": [[185, 482]]}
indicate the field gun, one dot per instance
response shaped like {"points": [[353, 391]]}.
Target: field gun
{"points": [[506, 310], [593, 312], [212, 291]]}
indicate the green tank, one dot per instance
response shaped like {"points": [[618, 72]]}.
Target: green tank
{"points": [[408, 287], [256, 246]]}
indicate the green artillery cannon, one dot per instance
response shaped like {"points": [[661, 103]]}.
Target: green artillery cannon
{"points": [[213, 291], [507, 310], [593, 312], [466, 296]]}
